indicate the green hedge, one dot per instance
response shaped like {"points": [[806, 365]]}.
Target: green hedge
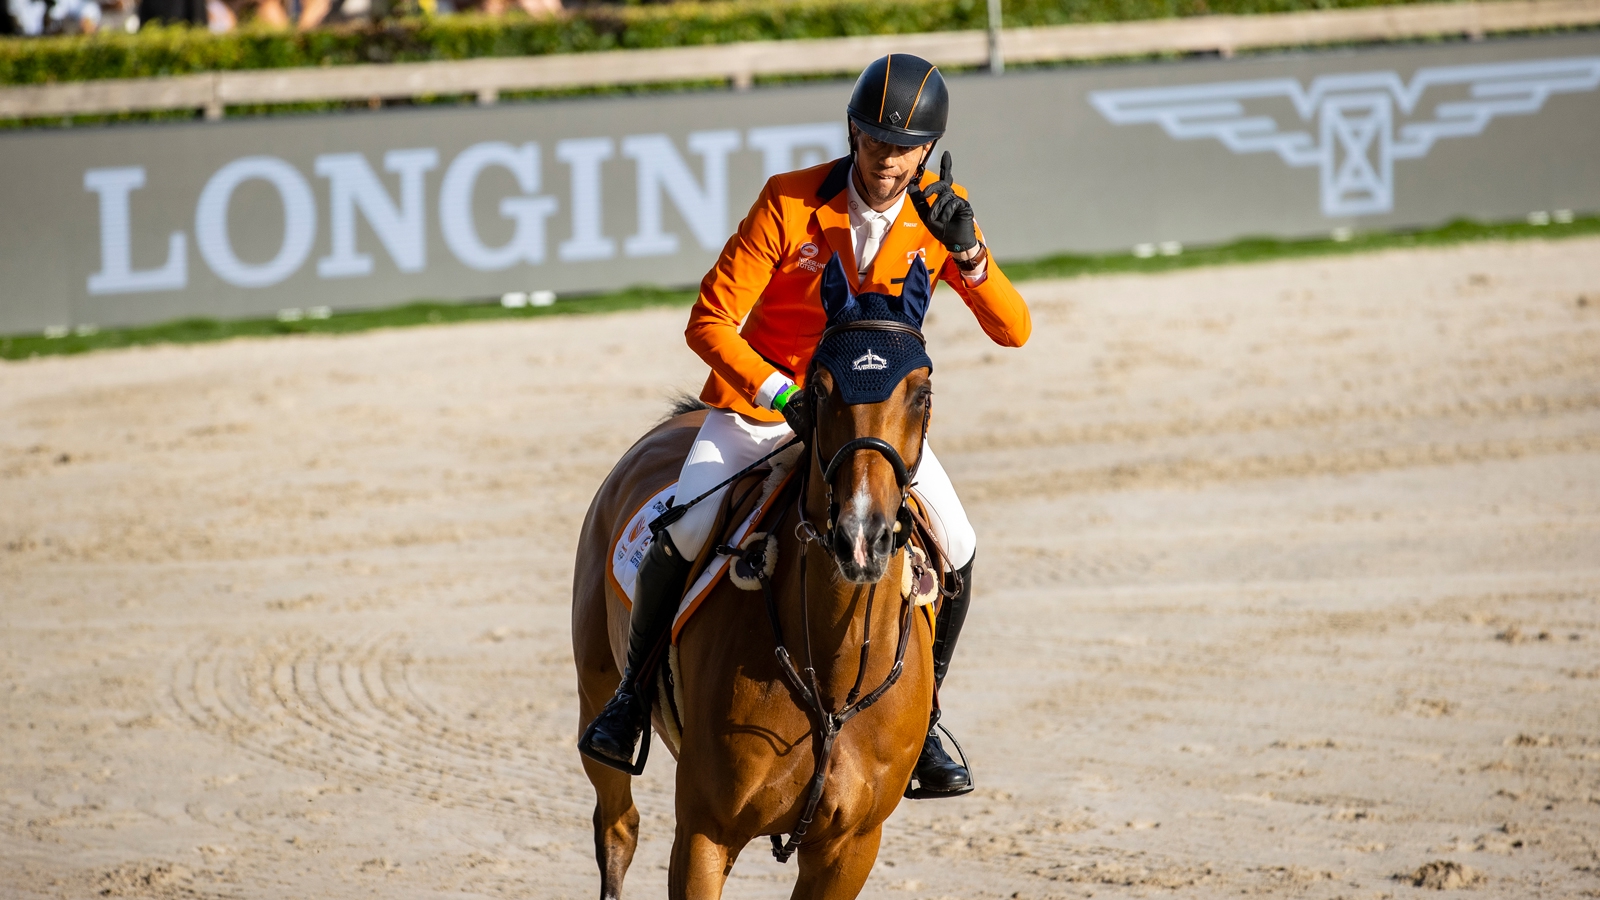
{"points": [[177, 50]]}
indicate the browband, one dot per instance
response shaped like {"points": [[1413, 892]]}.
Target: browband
{"points": [[876, 325]]}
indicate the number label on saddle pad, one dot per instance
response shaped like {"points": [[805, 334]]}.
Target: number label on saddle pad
{"points": [[634, 542]]}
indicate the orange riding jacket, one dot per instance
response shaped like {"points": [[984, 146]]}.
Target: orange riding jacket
{"points": [[770, 272]]}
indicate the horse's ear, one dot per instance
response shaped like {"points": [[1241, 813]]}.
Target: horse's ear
{"points": [[836, 294], [917, 292]]}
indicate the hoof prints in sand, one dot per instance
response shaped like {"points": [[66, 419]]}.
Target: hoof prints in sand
{"points": [[350, 711]]}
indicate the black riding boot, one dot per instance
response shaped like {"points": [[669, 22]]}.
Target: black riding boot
{"points": [[610, 739], [938, 775]]}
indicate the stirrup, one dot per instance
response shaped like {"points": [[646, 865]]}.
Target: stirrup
{"points": [[915, 790], [635, 767]]}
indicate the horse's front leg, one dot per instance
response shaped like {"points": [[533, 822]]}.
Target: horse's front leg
{"points": [[700, 864], [837, 869]]}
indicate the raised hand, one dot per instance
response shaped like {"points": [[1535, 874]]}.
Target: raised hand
{"points": [[947, 217]]}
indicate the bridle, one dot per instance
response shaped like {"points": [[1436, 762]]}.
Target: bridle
{"points": [[903, 475], [827, 722], [808, 689]]}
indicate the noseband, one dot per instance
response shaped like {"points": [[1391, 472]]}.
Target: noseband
{"points": [[902, 475]]}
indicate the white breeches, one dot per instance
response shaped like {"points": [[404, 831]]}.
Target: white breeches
{"points": [[728, 442]]}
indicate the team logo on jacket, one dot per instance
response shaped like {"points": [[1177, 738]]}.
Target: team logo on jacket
{"points": [[869, 362], [808, 257]]}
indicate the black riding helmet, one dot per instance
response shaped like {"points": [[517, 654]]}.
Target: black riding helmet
{"points": [[901, 99]]}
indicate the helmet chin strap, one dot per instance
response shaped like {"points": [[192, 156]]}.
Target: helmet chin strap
{"points": [[924, 165]]}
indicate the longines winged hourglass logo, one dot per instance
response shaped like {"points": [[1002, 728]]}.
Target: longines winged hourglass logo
{"points": [[1356, 138]]}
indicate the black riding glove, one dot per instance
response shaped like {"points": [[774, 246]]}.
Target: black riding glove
{"points": [[796, 409], [948, 217]]}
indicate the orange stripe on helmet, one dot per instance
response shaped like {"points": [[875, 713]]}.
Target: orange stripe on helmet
{"points": [[888, 61], [912, 113]]}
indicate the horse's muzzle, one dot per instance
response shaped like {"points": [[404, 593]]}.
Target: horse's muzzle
{"points": [[863, 546]]}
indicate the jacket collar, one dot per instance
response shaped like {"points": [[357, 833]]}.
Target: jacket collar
{"points": [[838, 177], [833, 220]]}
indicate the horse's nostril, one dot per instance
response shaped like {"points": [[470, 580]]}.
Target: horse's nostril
{"points": [[862, 543], [841, 543], [882, 542]]}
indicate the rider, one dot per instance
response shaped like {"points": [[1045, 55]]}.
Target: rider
{"points": [[770, 271]]}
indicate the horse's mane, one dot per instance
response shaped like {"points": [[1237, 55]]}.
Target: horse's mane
{"points": [[684, 403]]}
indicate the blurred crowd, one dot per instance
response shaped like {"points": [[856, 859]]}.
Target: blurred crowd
{"points": [[35, 17]]}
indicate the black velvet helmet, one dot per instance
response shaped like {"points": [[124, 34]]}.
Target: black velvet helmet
{"points": [[901, 99]]}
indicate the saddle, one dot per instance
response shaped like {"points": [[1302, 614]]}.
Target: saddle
{"points": [[749, 504]]}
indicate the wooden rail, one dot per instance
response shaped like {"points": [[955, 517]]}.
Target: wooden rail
{"points": [[741, 63]]}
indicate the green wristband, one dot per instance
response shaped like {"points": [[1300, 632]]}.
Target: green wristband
{"points": [[783, 398]]}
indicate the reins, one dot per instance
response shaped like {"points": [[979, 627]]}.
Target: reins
{"points": [[807, 687], [677, 511], [826, 723]]}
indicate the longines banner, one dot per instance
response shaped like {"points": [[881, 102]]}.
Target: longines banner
{"points": [[136, 224]]}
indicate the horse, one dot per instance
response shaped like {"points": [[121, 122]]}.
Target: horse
{"points": [[765, 749]]}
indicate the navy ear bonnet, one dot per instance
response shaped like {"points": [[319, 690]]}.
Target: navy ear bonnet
{"points": [[869, 362]]}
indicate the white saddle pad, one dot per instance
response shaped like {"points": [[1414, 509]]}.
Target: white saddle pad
{"points": [[634, 541]]}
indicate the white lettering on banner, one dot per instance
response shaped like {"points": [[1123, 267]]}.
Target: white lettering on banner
{"points": [[299, 221], [117, 275], [704, 207], [529, 212], [584, 156], [352, 184], [401, 226], [822, 140]]}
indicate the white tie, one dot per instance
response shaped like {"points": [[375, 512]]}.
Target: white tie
{"points": [[876, 226]]}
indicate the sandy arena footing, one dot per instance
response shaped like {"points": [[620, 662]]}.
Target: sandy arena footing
{"points": [[1288, 584]]}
